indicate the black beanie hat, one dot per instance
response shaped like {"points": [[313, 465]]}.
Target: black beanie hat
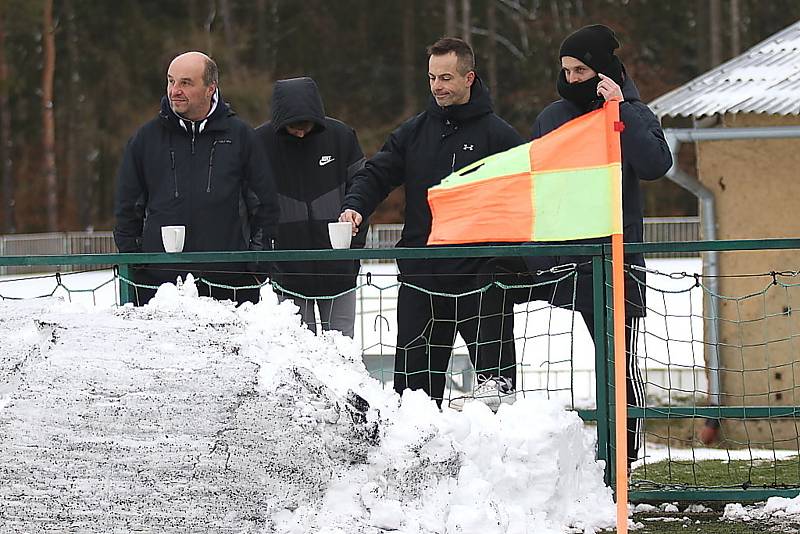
{"points": [[594, 45]]}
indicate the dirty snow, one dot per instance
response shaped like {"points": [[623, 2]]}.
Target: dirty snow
{"points": [[189, 414]]}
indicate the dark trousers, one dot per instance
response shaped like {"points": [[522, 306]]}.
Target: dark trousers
{"points": [[634, 385], [426, 330], [152, 277]]}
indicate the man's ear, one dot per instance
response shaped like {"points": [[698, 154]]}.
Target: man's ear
{"points": [[211, 90], [470, 78]]}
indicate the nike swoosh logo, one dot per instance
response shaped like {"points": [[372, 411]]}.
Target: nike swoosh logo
{"points": [[324, 160]]}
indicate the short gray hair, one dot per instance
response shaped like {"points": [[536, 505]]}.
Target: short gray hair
{"points": [[210, 73]]}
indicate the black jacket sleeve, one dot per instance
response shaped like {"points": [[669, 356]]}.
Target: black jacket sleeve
{"points": [[260, 180], [131, 197], [507, 137], [643, 144], [381, 173], [536, 130], [355, 163]]}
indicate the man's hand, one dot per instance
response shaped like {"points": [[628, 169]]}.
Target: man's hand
{"points": [[608, 89], [353, 217]]}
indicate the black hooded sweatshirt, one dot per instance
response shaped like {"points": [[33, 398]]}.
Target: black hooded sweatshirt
{"points": [[313, 174], [176, 172], [419, 154]]}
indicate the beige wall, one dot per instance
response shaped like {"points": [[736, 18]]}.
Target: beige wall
{"points": [[756, 184]]}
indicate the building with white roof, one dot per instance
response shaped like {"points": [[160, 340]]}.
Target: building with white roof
{"points": [[746, 136]]}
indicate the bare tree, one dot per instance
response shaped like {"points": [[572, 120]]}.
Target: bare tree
{"points": [[556, 15], [466, 20], [715, 31], [209, 25], [228, 26], [491, 48], [520, 15], [450, 17], [48, 115], [409, 101], [736, 28], [5, 136], [274, 36]]}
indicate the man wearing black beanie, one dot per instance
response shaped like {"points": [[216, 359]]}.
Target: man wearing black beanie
{"points": [[591, 74]]}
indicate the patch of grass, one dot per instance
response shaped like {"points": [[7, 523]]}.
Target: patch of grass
{"points": [[701, 524], [717, 473]]}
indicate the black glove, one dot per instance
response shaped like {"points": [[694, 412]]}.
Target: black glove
{"points": [[259, 242]]}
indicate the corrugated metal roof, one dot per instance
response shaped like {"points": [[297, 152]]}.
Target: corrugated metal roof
{"points": [[765, 79]]}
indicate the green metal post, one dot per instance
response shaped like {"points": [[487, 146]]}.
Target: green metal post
{"points": [[608, 332], [125, 289], [601, 377]]}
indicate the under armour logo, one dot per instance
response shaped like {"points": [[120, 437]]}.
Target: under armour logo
{"points": [[324, 160], [469, 147]]}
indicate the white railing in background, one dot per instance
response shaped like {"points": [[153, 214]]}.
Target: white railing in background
{"points": [[656, 229]]}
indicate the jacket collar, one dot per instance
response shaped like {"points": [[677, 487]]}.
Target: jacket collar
{"points": [[212, 121], [479, 104]]}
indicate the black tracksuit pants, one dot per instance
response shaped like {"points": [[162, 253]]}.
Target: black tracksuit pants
{"points": [[634, 385], [426, 331]]}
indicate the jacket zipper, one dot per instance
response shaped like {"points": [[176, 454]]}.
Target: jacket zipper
{"points": [[211, 164], [174, 172]]}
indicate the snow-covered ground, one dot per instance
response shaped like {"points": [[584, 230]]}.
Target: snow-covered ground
{"points": [[189, 414]]}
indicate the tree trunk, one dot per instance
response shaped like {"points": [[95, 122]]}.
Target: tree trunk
{"points": [[556, 15], [491, 49], [48, 116], [78, 191], [736, 29], [715, 31], [466, 21], [228, 26], [274, 37], [209, 25], [409, 101], [262, 32], [450, 18], [5, 136]]}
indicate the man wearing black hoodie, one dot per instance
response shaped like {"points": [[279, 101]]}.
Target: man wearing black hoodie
{"points": [[313, 158], [193, 165], [590, 74], [458, 128]]}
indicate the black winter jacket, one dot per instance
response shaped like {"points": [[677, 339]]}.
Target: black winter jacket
{"points": [[312, 175], [419, 154], [175, 172], [645, 156]]}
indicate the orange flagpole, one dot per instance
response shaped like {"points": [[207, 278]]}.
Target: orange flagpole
{"points": [[620, 390]]}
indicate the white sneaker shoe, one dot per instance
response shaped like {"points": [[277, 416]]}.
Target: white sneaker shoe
{"points": [[492, 392]]}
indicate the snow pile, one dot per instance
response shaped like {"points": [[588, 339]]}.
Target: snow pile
{"points": [[776, 511], [191, 414]]}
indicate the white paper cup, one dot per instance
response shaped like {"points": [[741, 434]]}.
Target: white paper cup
{"points": [[340, 233], [173, 237]]}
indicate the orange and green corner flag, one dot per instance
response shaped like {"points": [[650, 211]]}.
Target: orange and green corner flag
{"points": [[563, 186]]}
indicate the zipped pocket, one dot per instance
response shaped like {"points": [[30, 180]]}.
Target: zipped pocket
{"points": [[174, 172], [211, 159]]}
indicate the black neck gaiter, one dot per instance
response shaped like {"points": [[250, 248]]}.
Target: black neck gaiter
{"points": [[582, 94]]}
